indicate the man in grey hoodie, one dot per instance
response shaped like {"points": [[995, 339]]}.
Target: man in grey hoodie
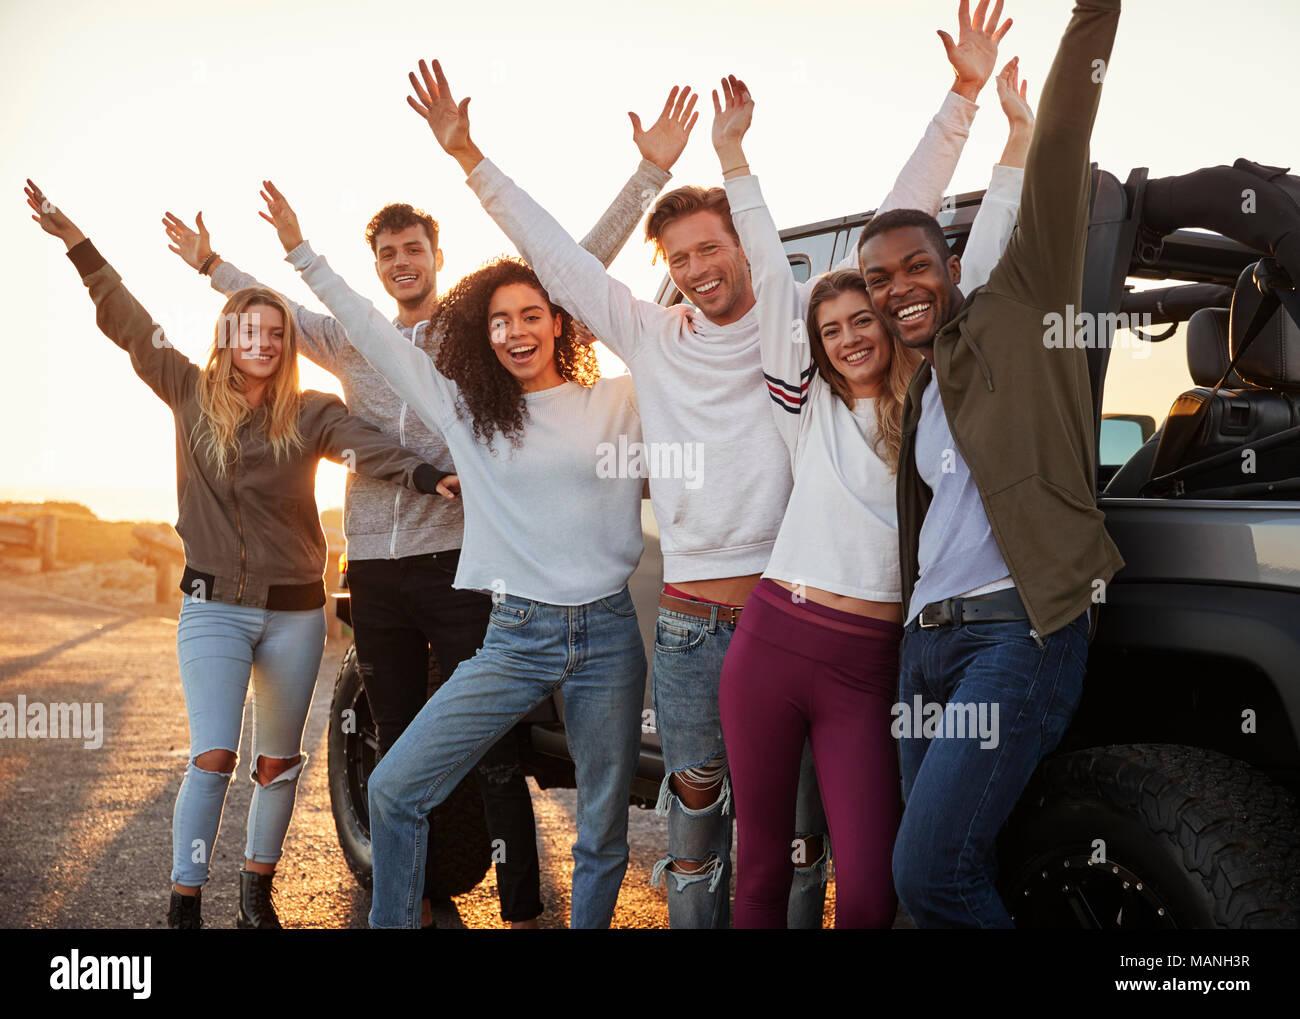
{"points": [[402, 547]]}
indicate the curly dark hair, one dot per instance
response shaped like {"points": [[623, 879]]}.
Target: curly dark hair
{"points": [[488, 392], [396, 218]]}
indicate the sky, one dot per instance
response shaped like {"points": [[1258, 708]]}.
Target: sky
{"points": [[123, 111]]}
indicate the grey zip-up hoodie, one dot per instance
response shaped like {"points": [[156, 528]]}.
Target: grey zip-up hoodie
{"points": [[382, 520]]}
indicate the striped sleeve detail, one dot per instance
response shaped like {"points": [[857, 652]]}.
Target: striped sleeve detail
{"points": [[790, 398]]}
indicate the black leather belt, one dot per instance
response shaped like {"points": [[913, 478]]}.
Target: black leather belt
{"points": [[995, 607]]}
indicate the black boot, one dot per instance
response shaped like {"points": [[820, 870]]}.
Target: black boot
{"points": [[183, 914], [256, 910]]}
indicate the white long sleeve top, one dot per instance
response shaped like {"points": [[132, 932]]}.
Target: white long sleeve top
{"points": [[840, 529], [557, 520]]}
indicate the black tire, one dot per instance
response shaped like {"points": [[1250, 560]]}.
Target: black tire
{"points": [[353, 749], [460, 836], [1193, 839]]}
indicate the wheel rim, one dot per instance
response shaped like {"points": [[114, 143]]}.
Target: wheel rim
{"points": [[1061, 890]]}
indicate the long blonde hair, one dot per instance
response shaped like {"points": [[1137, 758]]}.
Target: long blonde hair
{"points": [[903, 363], [222, 403]]}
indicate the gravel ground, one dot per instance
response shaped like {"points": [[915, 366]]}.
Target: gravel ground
{"points": [[85, 833]]}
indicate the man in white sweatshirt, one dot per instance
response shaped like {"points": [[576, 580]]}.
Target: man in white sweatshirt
{"points": [[705, 410]]}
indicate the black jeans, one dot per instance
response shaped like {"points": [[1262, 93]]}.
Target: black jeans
{"points": [[401, 608]]}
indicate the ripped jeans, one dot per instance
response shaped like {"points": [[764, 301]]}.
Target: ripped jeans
{"points": [[218, 647], [684, 676]]}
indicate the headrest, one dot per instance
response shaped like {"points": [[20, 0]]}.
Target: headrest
{"points": [[1207, 348], [1273, 359]]}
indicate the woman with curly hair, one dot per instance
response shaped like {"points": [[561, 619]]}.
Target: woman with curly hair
{"points": [[493, 377], [248, 442], [548, 532]]}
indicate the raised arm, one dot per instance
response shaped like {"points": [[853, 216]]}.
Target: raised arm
{"points": [[996, 218], [925, 176], [660, 146], [783, 343], [1043, 264], [121, 318], [607, 237], [408, 370], [320, 337], [928, 171], [572, 276]]}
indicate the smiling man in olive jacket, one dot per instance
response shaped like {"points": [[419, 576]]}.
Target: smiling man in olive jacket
{"points": [[1002, 545]]}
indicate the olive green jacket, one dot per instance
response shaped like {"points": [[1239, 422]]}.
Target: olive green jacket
{"points": [[1020, 410]]}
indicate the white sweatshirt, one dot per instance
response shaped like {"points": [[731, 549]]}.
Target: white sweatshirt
{"points": [[553, 521], [720, 475], [840, 531]]}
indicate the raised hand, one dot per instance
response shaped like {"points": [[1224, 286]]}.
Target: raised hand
{"points": [[731, 119], [194, 248], [975, 53], [667, 136], [52, 221], [447, 119], [1013, 94], [282, 217]]}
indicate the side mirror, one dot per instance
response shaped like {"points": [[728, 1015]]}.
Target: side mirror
{"points": [[1122, 435]]}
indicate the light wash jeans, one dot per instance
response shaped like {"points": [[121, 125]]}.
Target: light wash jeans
{"points": [[218, 647], [531, 649], [684, 679]]}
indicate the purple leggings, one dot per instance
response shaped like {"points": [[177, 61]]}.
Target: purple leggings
{"points": [[804, 671]]}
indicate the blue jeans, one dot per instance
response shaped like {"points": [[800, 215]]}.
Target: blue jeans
{"points": [[403, 610], [960, 789], [219, 646], [684, 678], [808, 889], [531, 649]]}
